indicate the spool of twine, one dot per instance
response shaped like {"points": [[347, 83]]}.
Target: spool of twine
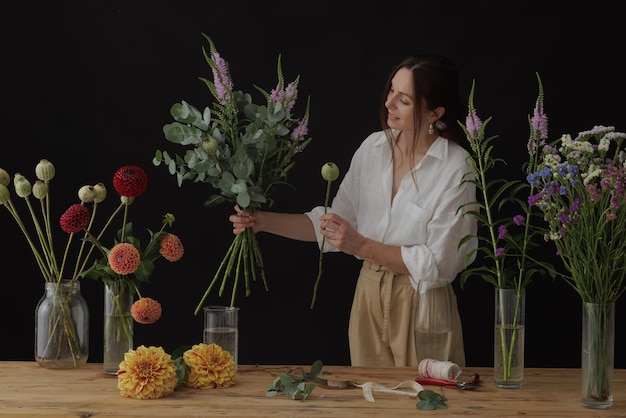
{"points": [[436, 369]]}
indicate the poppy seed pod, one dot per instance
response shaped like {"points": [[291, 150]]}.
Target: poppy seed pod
{"points": [[45, 170], [330, 171], [40, 189], [5, 179], [5, 195], [87, 194], [209, 144], [101, 192], [23, 187]]}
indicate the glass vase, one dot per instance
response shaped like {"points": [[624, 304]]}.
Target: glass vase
{"points": [[118, 325], [62, 327], [508, 350], [597, 362], [433, 321]]}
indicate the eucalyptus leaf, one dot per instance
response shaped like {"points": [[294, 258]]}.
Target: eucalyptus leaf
{"points": [[430, 400]]}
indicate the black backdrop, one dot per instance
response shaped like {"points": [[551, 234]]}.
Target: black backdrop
{"points": [[88, 85]]}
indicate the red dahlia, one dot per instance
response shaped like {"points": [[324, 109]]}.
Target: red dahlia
{"points": [[130, 181], [75, 218]]}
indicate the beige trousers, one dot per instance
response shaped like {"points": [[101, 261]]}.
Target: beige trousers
{"points": [[382, 320]]}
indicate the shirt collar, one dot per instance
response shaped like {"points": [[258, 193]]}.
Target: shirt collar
{"points": [[439, 148]]}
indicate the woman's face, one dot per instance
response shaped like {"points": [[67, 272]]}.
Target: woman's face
{"points": [[400, 101]]}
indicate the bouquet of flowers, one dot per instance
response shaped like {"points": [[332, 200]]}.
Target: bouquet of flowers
{"points": [[507, 242], [581, 185], [124, 266], [242, 150]]}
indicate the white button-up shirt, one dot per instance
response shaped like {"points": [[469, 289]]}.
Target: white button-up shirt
{"points": [[423, 218]]}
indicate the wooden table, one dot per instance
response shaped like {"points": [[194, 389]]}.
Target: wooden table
{"points": [[28, 390]]}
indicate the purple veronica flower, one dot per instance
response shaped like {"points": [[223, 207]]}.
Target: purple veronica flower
{"points": [[518, 220], [278, 94], [499, 251], [473, 123], [291, 94], [502, 231], [300, 131], [221, 79]]}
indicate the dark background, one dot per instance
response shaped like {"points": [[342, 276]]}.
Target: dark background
{"points": [[88, 85]]}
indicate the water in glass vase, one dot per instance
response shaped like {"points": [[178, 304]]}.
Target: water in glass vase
{"points": [[224, 337], [509, 356], [433, 344]]}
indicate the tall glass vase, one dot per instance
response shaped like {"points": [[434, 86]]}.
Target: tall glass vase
{"points": [[508, 350], [433, 321], [597, 362], [62, 327], [118, 325]]}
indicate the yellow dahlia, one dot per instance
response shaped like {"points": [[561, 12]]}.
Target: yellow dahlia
{"points": [[209, 367], [146, 373]]}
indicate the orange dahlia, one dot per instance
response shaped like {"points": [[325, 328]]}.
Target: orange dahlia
{"points": [[130, 181], [146, 373], [146, 311], [171, 248], [75, 218], [209, 367], [124, 258]]}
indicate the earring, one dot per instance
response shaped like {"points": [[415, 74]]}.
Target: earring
{"points": [[430, 129]]}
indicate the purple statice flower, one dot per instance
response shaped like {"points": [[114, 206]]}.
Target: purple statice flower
{"points": [[532, 200], [575, 206], [554, 188], [221, 79], [610, 215], [519, 219], [473, 123], [595, 194], [301, 130], [499, 251], [502, 231], [564, 218], [534, 178]]}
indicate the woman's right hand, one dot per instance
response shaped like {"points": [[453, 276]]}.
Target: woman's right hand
{"points": [[241, 220]]}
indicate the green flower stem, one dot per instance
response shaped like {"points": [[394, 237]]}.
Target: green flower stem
{"points": [[319, 263], [120, 318], [40, 262], [62, 313], [245, 252], [507, 358], [598, 384]]}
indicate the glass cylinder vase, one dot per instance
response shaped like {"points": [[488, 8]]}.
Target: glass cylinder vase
{"points": [[62, 326], [597, 362], [508, 350], [433, 321], [118, 325]]}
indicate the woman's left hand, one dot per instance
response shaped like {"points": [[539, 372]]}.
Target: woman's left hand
{"points": [[341, 234]]}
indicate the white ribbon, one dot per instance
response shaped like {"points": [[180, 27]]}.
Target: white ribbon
{"points": [[370, 387]]}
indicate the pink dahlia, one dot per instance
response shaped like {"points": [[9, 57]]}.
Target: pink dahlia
{"points": [[75, 218], [124, 258], [171, 248], [146, 311], [130, 181]]}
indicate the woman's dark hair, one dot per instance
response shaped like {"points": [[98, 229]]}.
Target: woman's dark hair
{"points": [[436, 84]]}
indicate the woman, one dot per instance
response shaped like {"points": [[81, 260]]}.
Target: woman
{"points": [[397, 209]]}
